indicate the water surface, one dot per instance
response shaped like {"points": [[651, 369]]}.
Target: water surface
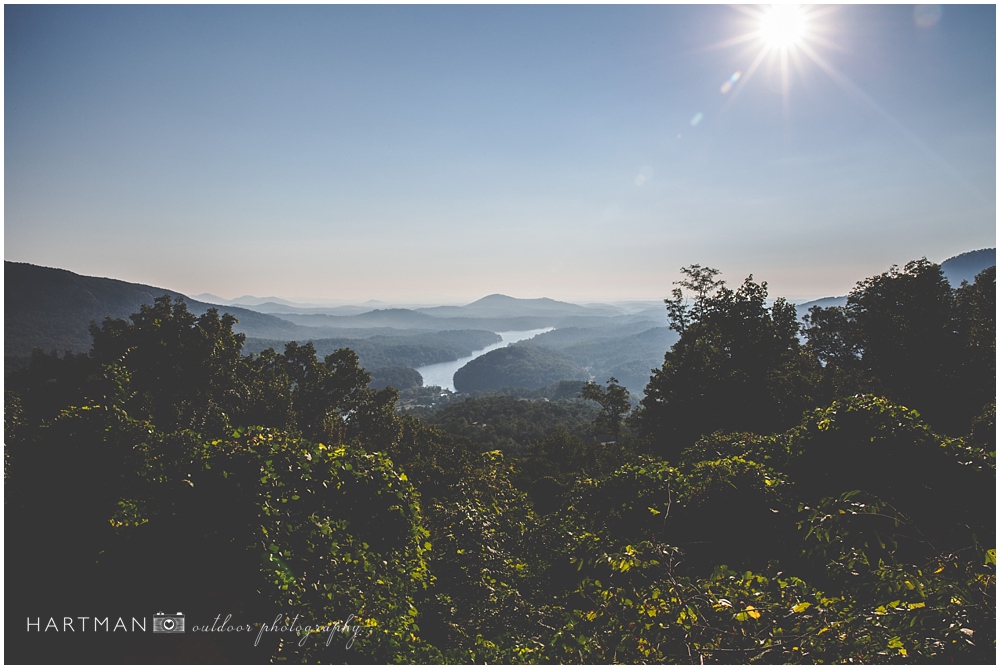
{"points": [[443, 373]]}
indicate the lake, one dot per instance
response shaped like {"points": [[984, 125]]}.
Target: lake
{"points": [[443, 373]]}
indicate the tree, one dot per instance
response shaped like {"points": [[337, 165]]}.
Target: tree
{"points": [[615, 406], [976, 310], [738, 366], [858, 534], [157, 459], [908, 335], [183, 368], [324, 393], [700, 281]]}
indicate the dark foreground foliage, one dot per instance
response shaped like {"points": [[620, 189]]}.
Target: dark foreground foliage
{"points": [[772, 500]]}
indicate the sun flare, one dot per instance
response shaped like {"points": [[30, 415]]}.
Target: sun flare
{"points": [[781, 39], [783, 26]]}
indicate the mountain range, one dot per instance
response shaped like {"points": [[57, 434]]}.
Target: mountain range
{"points": [[52, 309]]}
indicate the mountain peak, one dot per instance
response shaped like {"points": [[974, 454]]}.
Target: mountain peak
{"points": [[495, 298]]}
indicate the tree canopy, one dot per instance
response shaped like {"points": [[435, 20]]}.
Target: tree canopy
{"points": [[778, 496], [908, 334], [738, 365]]}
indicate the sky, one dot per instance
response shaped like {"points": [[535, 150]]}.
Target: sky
{"points": [[443, 153]]}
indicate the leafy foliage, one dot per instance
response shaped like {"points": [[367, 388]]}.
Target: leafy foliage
{"points": [[759, 507], [509, 424], [615, 403], [907, 334], [737, 366]]}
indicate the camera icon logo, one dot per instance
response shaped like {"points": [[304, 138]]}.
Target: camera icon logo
{"points": [[168, 624]]}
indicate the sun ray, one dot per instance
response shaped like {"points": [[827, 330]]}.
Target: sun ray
{"points": [[749, 10], [787, 35], [827, 44], [726, 43], [855, 92], [799, 61], [747, 76], [784, 83]]}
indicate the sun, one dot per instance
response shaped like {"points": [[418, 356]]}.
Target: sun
{"points": [[782, 39], [782, 26]]}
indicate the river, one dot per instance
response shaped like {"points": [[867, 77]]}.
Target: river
{"points": [[443, 373]]}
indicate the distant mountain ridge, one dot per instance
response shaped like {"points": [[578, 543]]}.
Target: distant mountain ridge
{"points": [[505, 306], [52, 309], [491, 306], [965, 266], [252, 301], [282, 308]]}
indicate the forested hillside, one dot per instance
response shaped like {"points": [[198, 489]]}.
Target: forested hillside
{"points": [[965, 266], [413, 349], [628, 352], [516, 366], [784, 493], [52, 309]]}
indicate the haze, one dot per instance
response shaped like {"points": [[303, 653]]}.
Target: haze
{"points": [[446, 153]]}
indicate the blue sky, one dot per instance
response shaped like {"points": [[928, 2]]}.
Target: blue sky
{"points": [[412, 153]]}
